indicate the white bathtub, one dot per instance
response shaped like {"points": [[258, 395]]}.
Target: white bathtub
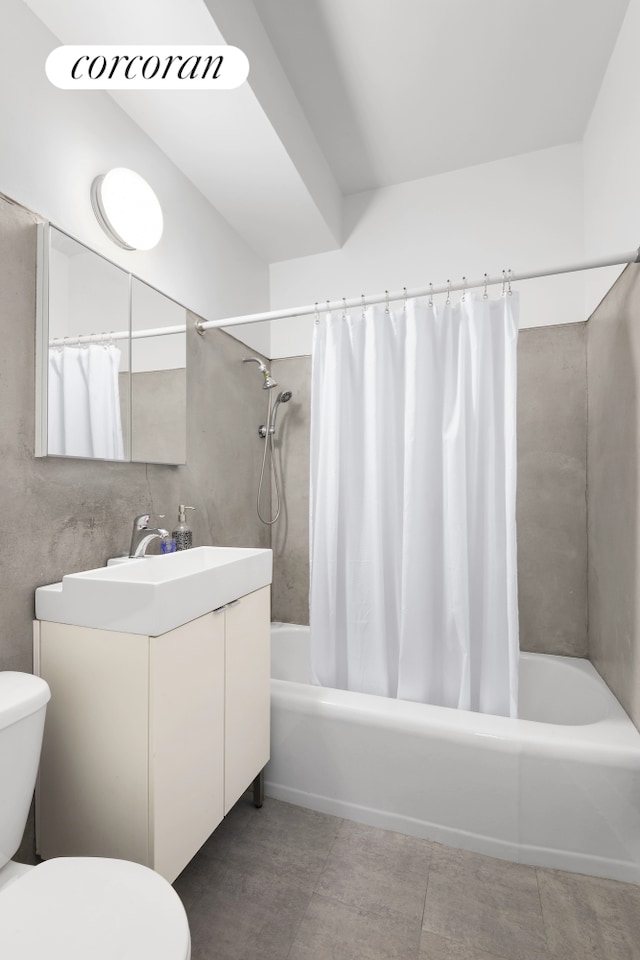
{"points": [[558, 788]]}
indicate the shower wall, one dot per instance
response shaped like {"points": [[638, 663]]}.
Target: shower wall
{"points": [[290, 535], [551, 493], [552, 547], [613, 350]]}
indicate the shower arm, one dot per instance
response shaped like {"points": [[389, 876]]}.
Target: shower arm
{"points": [[262, 367], [269, 382]]}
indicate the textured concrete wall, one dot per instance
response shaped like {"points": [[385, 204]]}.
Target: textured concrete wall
{"points": [[613, 351], [552, 553], [290, 535], [551, 507], [61, 516]]}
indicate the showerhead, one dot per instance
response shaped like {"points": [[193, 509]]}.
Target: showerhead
{"points": [[282, 397], [269, 382]]}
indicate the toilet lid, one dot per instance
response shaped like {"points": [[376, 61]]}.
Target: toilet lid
{"points": [[76, 908]]}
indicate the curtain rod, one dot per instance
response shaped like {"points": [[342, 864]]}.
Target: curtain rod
{"points": [[118, 335], [633, 256]]}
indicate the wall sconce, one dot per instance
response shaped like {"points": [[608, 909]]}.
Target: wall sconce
{"points": [[127, 209]]}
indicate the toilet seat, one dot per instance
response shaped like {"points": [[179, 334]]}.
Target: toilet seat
{"points": [[89, 908]]}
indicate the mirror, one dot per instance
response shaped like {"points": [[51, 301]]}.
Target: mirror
{"points": [[158, 377], [86, 295], [110, 360]]}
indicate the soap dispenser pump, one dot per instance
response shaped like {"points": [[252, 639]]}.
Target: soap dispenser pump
{"points": [[182, 534]]}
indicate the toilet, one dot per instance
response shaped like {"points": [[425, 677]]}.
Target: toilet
{"points": [[70, 908]]}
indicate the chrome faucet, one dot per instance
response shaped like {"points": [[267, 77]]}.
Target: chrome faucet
{"points": [[143, 534]]}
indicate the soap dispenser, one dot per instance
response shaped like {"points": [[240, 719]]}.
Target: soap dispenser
{"points": [[182, 534]]}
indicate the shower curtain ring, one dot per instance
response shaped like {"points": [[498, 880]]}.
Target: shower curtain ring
{"points": [[405, 297], [364, 307], [509, 290], [344, 308], [504, 282], [464, 289], [430, 294], [448, 300], [386, 301], [485, 295], [316, 315]]}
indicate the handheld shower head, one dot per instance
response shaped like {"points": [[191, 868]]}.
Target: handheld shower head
{"points": [[269, 382], [282, 397]]}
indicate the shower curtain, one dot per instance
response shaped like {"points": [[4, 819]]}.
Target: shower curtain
{"points": [[413, 483], [84, 402]]}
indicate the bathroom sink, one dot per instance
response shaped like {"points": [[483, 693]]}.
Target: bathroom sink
{"points": [[155, 594]]}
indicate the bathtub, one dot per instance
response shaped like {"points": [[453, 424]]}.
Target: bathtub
{"points": [[559, 787]]}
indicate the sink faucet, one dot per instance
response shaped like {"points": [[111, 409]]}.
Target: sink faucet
{"points": [[143, 534]]}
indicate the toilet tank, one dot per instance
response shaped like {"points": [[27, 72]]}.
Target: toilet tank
{"points": [[23, 702]]}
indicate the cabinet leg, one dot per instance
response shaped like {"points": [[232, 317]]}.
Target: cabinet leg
{"points": [[258, 790]]}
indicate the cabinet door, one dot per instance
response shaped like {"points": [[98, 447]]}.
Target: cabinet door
{"points": [[248, 692], [93, 790], [186, 741]]}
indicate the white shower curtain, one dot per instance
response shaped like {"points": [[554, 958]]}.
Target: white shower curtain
{"points": [[84, 402], [413, 484]]}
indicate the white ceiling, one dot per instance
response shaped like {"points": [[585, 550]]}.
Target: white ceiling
{"points": [[349, 95], [406, 89]]}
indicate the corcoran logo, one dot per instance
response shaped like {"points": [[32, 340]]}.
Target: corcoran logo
{"points": [[95, 67]]}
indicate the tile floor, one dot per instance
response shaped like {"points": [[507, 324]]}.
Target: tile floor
{"points": [[285, 883]]}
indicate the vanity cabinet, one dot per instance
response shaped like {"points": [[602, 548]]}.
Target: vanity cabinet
{"points": [[247, 695], [149, 741]]}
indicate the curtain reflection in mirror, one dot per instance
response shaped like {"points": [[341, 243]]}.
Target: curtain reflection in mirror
{"points": [[84, 402]]}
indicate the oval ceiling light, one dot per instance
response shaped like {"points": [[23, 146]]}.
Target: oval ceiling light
{"points": [[127, 209]]}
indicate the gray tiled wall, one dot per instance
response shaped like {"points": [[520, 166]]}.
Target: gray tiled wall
{"points": [[290, 535], [60, 516], [551, 503], [552, 549], [613, 347]]}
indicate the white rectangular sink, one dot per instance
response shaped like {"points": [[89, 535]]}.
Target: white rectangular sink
{"points": [[155, 594]]}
